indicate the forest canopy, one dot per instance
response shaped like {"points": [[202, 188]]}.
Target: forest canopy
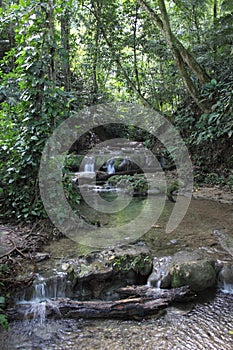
{"points": [[57, 57]]}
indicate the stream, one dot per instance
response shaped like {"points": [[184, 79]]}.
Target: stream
{"points": [[207, 324]]}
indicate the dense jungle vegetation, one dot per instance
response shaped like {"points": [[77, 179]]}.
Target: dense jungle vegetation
{"points": [[59, 56]]}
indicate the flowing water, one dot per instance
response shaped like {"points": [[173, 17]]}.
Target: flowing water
{"points": [[209, 325], [206, 325]]}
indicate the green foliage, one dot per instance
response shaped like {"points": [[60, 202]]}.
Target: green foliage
{"points": [[209, 135], [126, 263], [72, 162], [3, 318], [172, 187], [71, 192], [4, 321], [136, 183], [34, 105], [176, 282], [213, 178]]}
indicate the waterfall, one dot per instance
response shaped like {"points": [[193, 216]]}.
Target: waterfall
{"points": [[43, 290], [51, 287], [39, 290], [160, 276], [227, 288], [225, 279], [110, 166], [89, 165], [154, 283]]}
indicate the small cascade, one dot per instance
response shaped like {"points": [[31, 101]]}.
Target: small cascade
{"points": [[51, 287], [38, 310], [42, 292], [89, 165], [160, 278], [110, 166], [39, 289], [225, 279], [154, 283], [227, 288]]}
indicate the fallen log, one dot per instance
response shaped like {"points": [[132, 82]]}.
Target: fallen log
{"points": [[171, 295], [133, 308], [151, 302]]}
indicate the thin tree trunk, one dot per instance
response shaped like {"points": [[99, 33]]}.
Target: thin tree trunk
{"points": [[51, 35], [194, 66], [195, 17], [190, 86], [123, 70], [97, 7], [135, 49], [116, 58], [65, 32], [215, 11]]}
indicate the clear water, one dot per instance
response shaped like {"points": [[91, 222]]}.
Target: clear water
{"points": [[208, 326]]}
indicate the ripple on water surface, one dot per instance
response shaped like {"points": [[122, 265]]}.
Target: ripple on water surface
{"points": [[208, 326]]}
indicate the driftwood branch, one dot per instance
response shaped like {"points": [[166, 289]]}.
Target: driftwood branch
{"points": [[150, 302]]}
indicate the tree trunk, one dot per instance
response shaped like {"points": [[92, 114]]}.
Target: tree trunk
{"points": [[97, 8], [215, 13], [135, 49], [194, 66], [190, 86], [176, 294], [51, 38], [65, 32]]}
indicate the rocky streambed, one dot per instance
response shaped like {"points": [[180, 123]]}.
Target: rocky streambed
{"points": [[198, 254]]}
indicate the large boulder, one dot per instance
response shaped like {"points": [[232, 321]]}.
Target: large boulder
{"points": [[190, 268], [97, 275]]}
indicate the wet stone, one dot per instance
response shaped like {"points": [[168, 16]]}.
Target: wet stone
{"points": [[190, 268], [97, 275]]}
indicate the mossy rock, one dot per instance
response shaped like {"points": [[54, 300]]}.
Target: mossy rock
{"points": [[98, 274], [190, 269], [141, 264], [134, 183]]}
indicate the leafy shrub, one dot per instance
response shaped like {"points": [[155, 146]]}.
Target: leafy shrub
{"points": [[209, 136], [72, 162], [71, 192], [33, 106], [136, 183], [3, 318], [214, 179]]}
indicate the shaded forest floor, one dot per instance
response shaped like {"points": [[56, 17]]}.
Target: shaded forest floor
{"points": [[216, 193]]}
